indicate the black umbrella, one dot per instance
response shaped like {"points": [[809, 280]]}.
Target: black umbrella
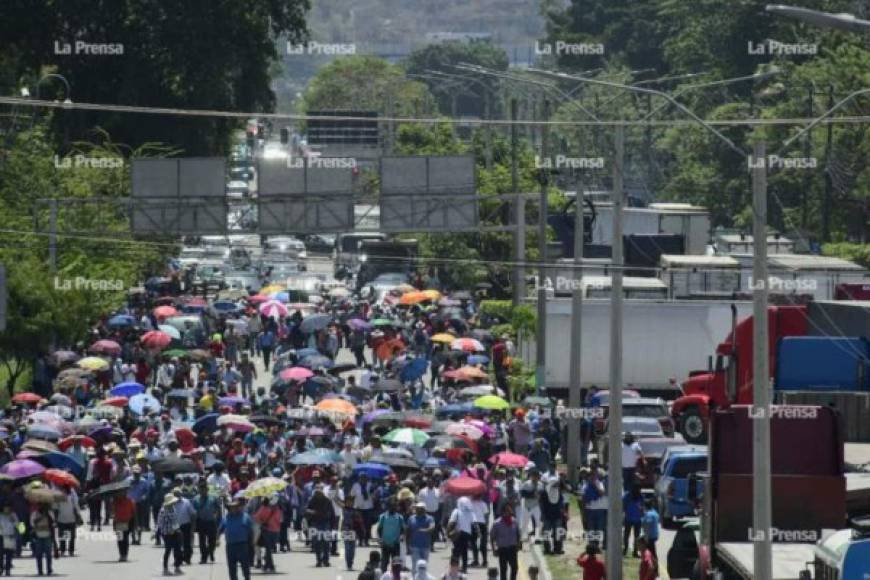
{"points": [[387, 385], [481, 334], [461, 295], [266, 420], [342, 368], [173, 465], [113, 487], [180, 394]]}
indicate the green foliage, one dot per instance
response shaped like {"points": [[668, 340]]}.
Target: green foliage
{"points": [[521, 318], [367, 83], [198, 55], [497, 308], [858, 253]]}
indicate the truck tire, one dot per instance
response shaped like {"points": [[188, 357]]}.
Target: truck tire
{"points": [[693, 426]]}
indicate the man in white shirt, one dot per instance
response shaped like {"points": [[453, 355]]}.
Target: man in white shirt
{"points": [[431, 497], [219, 481], [363, 500], [631, 453], [349, 458]]}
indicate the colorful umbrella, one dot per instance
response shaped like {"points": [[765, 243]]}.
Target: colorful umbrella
{"points": [[264, 487], [127, 389], [467, 345], [155, 339], [465, 430], [373, 470], [163, 312], [465, 486], [389, 348], [109, 347], [478, 359], [26, 398], [508, 459], [358, 324], [43, 432], [271, 289], [121, 321], [236, 423], [471, 373], [314, 323], [443, 338], [295, 374], [22, 468], [407, 436], [93, 363], [170, 330], [116, 402], [317, 361], [206, 423], [232, 401], [142, 402], [336, 406], [64, 356], [273, 309], [414, 369], [413, 298], [383, 322], [68, 442], [59, 477], [491, 403]]}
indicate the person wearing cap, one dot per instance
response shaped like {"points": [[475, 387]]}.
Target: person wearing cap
{"points": [[170, 530], [430, 496], [421, 526], [238, 530]]}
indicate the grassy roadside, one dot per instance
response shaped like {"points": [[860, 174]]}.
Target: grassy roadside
{"points": [[24, 379]]}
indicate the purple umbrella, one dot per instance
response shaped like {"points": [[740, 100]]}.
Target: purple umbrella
{"points": [[368, 418], [232, 401], [21, 468], [101, 433], [358, 324]]}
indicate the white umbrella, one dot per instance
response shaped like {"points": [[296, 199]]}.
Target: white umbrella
{"points": [[170, 330]]}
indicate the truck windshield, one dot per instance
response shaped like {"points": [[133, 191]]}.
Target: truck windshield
{"points": [[653, 411], [686, 467]]}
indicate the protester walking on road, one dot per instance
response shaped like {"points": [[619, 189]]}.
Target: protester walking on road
{"points": [[506, 542], [238, 530], [170, 531], [208, 513], [124, 512], [42, 526]]}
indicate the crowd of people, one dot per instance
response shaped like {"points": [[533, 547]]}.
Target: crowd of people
{"points": [[163, 435]]}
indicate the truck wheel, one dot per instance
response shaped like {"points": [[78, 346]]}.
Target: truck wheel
{"points": [[693, 426]]}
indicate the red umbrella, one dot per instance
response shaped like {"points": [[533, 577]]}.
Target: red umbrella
{"points": [[465, 486], [389, 348], [156, 339], [508, 459], [162, 312], [60, 477], [186, 439], [418, 422], [105, 347], [116, 401], [85, 441], [31, 398], [258, 299], [296, 374]]}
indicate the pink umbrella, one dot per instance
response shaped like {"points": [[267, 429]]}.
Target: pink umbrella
{"points": [[156, 339], [162, 312], [508, 459], [105, 347], [273, 309], [22, 468], [467, 345], [258, 299], [464, 429], [482, 425], [295, 374]]}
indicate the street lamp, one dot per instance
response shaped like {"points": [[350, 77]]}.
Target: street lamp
{"points": [[50, 76], [842, 21]]}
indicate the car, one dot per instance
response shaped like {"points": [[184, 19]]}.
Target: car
{"points": [[238, 189], [679, 465], [642, 407], [240, 173], [603, 397], [190, 255], [654, 448], [640, 427]]}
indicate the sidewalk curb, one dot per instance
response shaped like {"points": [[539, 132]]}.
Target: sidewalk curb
{"points": [[541, 562]]}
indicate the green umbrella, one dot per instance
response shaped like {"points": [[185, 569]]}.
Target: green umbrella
{"points": [[491, 402], [382, 322], [175, 352], [406, 436]]}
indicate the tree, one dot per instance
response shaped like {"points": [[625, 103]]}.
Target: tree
{"points": [[470, 94], [211, 54], [367, 83]]}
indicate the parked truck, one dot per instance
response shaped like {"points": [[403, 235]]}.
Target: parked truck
{"points": [[838, 330], [385, 257]]}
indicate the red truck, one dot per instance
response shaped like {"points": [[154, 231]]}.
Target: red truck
{"points": [[729, 381]]}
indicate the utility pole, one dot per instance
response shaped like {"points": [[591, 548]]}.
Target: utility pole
{"points": [[808, 153], [541, 338], [487, 114], [519, 213], [614, 416], [761, 488], [575, 382], [829, 184]]}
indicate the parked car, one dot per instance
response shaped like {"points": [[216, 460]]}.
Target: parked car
{"points": [[640, 427], [654, 449], [641, 407], [678, 466]]}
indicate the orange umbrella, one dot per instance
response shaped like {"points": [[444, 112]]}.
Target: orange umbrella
{"points": [[471, 373], [336, 406], [60, 477], [413, 298], [389, 348], [431, 294]]}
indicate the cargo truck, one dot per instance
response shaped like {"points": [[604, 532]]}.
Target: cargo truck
{"points": [[836, 357]]}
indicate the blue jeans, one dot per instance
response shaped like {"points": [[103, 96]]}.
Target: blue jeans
{"points": [[597, 520], [418, 554], [349, 553], [239, 554], [42, 549]]}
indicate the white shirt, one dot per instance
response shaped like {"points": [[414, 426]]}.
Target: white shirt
{"points": [[630, 454], [365, 379], [219, 481], [431, 497], [359, 502]]}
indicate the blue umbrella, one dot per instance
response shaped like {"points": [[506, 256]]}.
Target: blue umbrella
{"points": [[414, 369], [225, 306], [281, 297], [206, 423], [373, 470], [315, 458], [315, 322], [305, 352], [317, 361], [43, 432], [193, 309], [233, 401], [62, 461], [358, 324], [138, 404], [435, 463], [127, 389], [458, 408], [478, 359], [121, 321]]}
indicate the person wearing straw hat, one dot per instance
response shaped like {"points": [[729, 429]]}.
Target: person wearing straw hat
{"points": [[170, 530], [238, 530]]}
